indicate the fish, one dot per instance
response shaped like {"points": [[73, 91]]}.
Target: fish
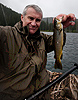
{"points": [[58, 42]]}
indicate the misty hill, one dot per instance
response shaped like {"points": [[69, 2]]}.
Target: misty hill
{"points": [[10, 17], [48, 19], [46, 25], [7, 14]]}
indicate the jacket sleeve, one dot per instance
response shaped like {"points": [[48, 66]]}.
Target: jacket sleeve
{"points": [[1, 31], [48, 42]]}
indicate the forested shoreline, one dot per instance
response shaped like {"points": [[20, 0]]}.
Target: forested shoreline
{"points": [[10, 17]]}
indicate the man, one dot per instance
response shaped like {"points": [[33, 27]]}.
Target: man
{"points": [[23, 55]]}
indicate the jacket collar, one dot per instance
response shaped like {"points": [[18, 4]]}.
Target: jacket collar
{"points": [[24, 31]]}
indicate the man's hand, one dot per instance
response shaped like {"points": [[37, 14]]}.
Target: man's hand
{"points": [[67, 19]]}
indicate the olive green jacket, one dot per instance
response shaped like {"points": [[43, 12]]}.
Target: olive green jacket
{"points": [[23, 59]]}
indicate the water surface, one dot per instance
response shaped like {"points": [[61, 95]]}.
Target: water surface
{"points": [[70, 54]]}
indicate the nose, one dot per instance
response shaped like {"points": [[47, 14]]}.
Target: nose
{"points": [[33, 23]]}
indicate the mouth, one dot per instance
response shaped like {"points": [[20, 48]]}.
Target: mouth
{"points": [[31, 28]]}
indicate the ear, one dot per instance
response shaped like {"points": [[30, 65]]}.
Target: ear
{"points": [[22, 18]]}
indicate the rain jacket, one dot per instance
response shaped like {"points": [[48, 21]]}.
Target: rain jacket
{"points": [[23, 59]]}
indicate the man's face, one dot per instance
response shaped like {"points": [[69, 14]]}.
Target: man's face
{"points": [[32, 19]]}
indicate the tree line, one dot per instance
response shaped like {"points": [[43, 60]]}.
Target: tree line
{"points": [[10, 18], [46, 25]]}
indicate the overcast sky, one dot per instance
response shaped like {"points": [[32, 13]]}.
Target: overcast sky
{"points": [[50, 8]]}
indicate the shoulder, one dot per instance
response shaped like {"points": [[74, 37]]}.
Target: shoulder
{"points": [[5, 27], [5, 31]]}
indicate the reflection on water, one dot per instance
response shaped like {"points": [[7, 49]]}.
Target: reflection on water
{"points": [[70, 54]]}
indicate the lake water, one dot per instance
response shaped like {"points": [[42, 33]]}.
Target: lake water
{"points": [[70, 54]]}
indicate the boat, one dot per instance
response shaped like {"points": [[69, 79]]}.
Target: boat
{"points": [[67, 89], [63, 86]]}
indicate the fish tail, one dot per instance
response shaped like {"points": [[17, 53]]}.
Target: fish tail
{"points": [[58, 64]]}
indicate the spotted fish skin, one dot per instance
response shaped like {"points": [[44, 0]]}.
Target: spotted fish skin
{"points": [[58, 42]]}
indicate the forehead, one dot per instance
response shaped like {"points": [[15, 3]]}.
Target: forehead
{"points": [[32, 12]]}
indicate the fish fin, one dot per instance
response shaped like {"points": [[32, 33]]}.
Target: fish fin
{"points": [[61, 56], [60, 31], [58, 64]]}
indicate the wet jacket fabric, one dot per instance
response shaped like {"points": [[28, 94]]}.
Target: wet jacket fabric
{"points": [[23, 59]]}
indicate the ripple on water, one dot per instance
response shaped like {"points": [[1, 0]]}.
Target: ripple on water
{"points": [[70, 54]]}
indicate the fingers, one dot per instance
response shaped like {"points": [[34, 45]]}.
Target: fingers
{"points": [[72, 16], [67, 19], [72, 23], [64, 17], [66, 24], [70, 20], [60, 16]]}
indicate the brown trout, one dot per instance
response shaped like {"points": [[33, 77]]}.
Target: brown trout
{"points": [[58, 42]]}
